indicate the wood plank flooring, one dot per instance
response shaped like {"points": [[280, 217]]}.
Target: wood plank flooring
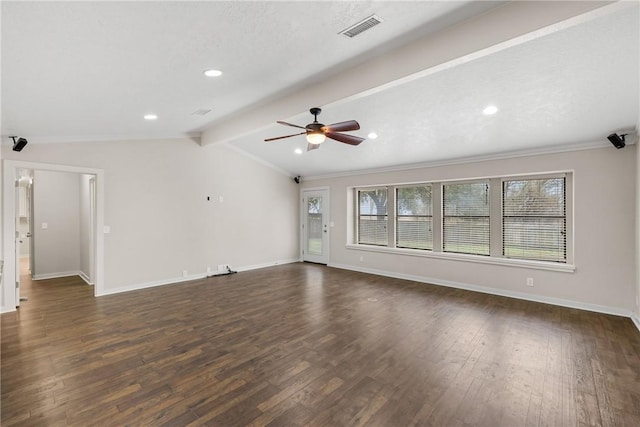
{"points": [[304, 344]]}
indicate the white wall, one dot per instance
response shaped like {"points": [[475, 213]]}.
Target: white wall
{"points": [[56, 202], [604, 217], [2, 280], [637, 253], [161, 222]]}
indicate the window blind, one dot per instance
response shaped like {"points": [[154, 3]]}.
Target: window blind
{"points": [[414, 217], [466, 214], [372, 217], [534, 219]]}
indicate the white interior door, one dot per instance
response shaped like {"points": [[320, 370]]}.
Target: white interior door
{"points": [[18, 240], [32, 251], [92, 230], [315, 226]]}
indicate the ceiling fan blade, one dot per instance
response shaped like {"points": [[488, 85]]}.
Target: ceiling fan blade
{"points": [[347, 139], [312, 147], [290, 124], [343, 126], [282, 137]]}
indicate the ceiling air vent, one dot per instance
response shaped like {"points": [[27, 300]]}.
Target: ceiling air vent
{"points": [[201, 112], [361, 26]]}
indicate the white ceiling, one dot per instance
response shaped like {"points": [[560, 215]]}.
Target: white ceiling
{"points": [[83, 71]]}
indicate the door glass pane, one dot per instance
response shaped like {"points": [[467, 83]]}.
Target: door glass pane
{"points": [[314, 225]]}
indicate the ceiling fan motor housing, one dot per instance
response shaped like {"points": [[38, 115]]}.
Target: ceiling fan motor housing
{"points": [[315, 127]]}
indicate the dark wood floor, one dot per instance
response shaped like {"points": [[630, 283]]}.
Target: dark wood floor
{"points": [[304, 344]]}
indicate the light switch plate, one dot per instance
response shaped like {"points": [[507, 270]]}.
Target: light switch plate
{"points": [[45, 225], [107, 229]]}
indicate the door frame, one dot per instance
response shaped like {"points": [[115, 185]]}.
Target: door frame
{"points": [[10, 172], [303, 219]]}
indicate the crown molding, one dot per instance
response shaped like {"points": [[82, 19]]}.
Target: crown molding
{"points": [[464, 160]]}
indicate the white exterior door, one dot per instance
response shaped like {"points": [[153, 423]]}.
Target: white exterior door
{"points": [[315, 226]]}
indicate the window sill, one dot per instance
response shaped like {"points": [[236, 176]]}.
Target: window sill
{"points": [[539, 265]]}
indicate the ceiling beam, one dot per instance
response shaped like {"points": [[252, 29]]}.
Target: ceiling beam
{"points": [[497, 29]]}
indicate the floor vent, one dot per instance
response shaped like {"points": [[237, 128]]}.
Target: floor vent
{"points": [[361, 26]]}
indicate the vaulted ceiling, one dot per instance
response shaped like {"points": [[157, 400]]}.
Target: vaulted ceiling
{"points": [[560, 75]]}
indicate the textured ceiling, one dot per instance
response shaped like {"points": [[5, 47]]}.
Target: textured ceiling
{"points": [[570, 87], [82, 71], [91, 70]]}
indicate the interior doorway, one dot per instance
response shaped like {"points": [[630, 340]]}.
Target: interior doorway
{"points": [[62, 205], [25, 256], [15, 220]]}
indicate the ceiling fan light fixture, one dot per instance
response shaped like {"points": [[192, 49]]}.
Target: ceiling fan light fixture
{"points": [[316, 138], [316, 132]]}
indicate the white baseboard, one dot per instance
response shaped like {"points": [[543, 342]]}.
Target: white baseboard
{"points": [[636, 320], [56, 275], [4, 309], [493, 291], [153, 284], [267, 264], [175, 280], [84, 277]]}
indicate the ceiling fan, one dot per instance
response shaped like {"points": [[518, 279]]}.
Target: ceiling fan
{"points": [[317, 132]]}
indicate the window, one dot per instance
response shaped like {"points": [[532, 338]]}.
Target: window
{"points": [[523, 220], [414, 217], [466, 218], [372, 217], [534, 219]]}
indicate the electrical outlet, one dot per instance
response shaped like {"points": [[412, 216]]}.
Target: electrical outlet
{"points": [[208, 270], [222, 267], [185, 273], [529, 281], [361, 259]]}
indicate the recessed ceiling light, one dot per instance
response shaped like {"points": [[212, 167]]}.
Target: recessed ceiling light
{"points": [[213, 73], [150, 117], [489, 110], [372, 135], [298, 151]]}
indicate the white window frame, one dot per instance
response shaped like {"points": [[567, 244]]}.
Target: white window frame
{"points": [[495, 191], [395, 215], [568, 189], [390, 204], [490, 189]]}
